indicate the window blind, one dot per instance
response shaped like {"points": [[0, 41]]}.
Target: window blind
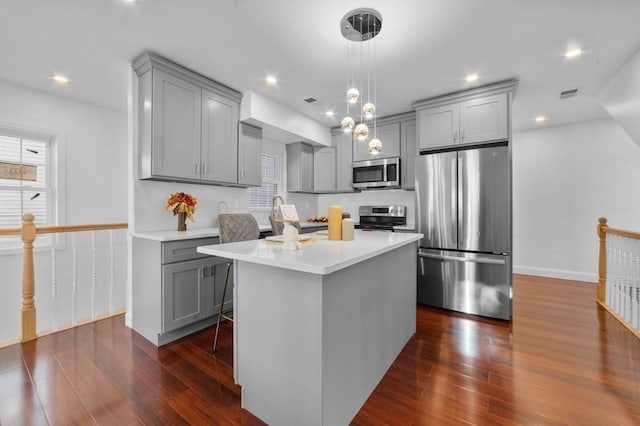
{"points": [[20, 196], [262, 196]]}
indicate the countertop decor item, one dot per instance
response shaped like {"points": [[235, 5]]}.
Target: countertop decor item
{"points": [[347, 229], [335, 222], [289, 215], [184, 206]]}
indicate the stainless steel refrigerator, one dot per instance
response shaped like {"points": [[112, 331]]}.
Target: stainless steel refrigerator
{"points": [[463, 208]]}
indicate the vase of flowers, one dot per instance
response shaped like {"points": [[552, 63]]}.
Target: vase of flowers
{"points": [[184, 206]]}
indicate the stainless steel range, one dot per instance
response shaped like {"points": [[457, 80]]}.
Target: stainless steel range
{"points": [[382, 217]]}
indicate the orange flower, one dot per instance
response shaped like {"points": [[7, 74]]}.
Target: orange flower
{"points": [[179, 202]]}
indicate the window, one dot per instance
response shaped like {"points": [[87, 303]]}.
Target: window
{"points": [[260, 198], [31, 153]]}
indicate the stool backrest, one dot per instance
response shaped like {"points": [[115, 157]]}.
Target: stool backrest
{"points": [[278, 227], [238, 227]]}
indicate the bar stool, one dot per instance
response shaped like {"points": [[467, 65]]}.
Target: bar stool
{"points": [[233, 227]]}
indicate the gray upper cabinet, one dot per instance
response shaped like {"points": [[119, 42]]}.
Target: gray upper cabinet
{"points": [[473, 116], [299, 167], [219, 130], [484, 119], [188, 126], [408, 151], [324, 166], [439, 126], [344, 158], [249, 155], [176, 136], [389, 135]]}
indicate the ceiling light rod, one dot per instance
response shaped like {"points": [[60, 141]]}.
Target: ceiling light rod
{"points": [[362, 25]]}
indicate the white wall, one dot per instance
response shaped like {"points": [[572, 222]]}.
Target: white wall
{"points": [[564, 178], [621, 97], [95, 159]]}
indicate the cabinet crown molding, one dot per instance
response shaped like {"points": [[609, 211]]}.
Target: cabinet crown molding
{"points": [[148, 60], [508, 86]]}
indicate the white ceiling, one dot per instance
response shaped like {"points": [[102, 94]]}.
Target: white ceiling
{"points": [[425, 48]]}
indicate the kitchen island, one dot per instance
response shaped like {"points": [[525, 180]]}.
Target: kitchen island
{"points": [[316, 329]]}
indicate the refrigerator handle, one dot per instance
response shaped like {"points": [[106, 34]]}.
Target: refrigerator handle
{"points": [[462, 177], [418, 169], [488, 260], [453, 224]]}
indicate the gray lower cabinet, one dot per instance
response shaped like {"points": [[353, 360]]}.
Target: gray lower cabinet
{"points": [[192, 291], [175, 290]]}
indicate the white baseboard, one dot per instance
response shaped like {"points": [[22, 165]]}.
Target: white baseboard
{"points": [[556, 273]]}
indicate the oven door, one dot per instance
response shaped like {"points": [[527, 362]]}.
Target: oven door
{"points": [[376, 173]]}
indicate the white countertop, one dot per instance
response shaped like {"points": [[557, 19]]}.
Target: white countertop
{"points": [[322, 257], [174, 235]]}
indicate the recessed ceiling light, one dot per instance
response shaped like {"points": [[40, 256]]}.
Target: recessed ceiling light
{"points": [[60, 79], [271, 79], [471, 78], [541, 119], [330, 113], [573, 53]]}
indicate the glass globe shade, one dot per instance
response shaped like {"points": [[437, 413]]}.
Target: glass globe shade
{"points": [[361, 131], [368, 110], [347, 124], [375, 146], [353, 95]]}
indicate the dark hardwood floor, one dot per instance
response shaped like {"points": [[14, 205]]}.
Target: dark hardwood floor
{"points": [[562, 360]]}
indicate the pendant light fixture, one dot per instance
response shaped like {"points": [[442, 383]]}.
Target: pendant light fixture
{"points": [[361, 26]]}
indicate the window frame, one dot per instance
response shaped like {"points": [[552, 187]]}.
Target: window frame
{"points": [[55, 175]]}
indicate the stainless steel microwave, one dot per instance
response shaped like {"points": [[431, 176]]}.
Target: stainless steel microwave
{"points": [[384, 173]]}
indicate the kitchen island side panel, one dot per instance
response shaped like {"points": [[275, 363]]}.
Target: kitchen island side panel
{"points": [[369, 315], [311, 348], [279, 343], [146, 303]]}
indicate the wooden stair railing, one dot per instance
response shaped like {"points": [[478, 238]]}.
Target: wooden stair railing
{"points": [[28, 232], [611, 288]]}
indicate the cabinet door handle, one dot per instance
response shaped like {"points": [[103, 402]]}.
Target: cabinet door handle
{"points": [[204, 168], [462, 136], [213, 270], [455, 135], [204, 272], [198, 168], [242, 174]]}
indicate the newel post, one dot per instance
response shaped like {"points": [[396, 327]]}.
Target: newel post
{"points": [[28, 286], [602, 259]]}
